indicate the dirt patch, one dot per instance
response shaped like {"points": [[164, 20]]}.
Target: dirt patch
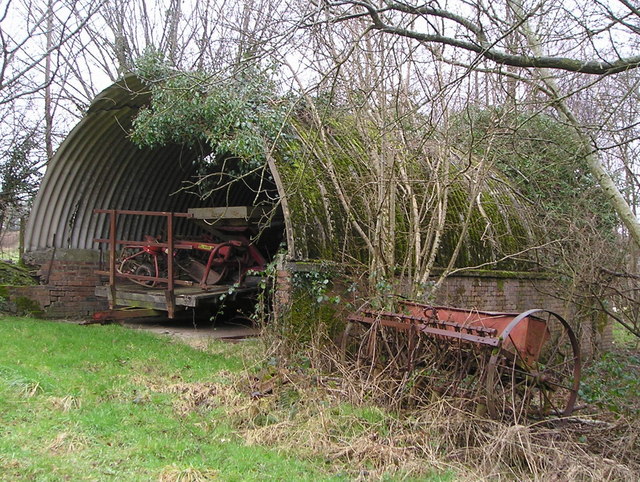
{"points": [[197, 334]]}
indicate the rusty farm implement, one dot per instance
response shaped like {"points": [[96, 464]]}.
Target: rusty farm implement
{"points": [[151, 275], [202, 261], [516, 366]]}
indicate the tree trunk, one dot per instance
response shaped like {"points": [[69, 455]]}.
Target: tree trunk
{"points": [[48, 114]]}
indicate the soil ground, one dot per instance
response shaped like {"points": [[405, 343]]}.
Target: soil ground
{"points": [[197, 330], [197, 333]]}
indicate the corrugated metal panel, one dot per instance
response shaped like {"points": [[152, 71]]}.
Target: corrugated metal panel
{"points": [[97, 166]]}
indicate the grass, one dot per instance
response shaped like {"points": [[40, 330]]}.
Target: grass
{"points": [[10, 254], [611, 381], [107, 403], [624, 339], [100, 403]]}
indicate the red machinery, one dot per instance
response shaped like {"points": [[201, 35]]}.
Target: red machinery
{"points": [[523, 365], [205, 262], [208, 262]]}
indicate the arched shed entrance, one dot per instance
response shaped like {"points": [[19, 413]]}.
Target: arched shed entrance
{"points": [[99, 167]]}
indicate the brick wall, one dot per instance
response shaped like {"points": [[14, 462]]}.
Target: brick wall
{"points": [[68, 285], [509, 294], [486, 291], [282, 295], [518, 294]]}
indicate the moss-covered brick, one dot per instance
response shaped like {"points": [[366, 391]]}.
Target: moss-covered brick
{"points": [[27, 306]]}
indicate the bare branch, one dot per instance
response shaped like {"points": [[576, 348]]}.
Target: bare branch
{"points": [[480, 45]]}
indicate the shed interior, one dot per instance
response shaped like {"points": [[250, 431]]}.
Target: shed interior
{"points": [[99, 167]]}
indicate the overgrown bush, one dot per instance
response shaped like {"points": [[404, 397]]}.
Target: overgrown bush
{"points": [[543, 158], [15, 275], [612, 383], [233, 114]]}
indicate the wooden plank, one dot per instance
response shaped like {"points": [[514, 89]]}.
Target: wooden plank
{"points": [[142, 278], [190, 296], [225, 212], [194, 299], [230, 212], [122, 314], [139, 297]]}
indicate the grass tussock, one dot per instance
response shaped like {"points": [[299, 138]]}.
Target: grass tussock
{"points": [[28, 389], [65, 404], [193, 396], [332, 418], [68, 442], [173, 473]]}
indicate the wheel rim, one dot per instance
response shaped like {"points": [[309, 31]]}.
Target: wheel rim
{"points": [[518, 389], [138, 266], [145, 269]]}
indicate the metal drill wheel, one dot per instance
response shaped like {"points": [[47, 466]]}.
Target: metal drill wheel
{"points": [[521, 386]]}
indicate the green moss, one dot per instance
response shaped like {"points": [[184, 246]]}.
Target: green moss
{"points": [[545, 161], [345, 146], [15, 275], [26, 306], [308, 319], [601, 321], [495, 228], [313, 312]]}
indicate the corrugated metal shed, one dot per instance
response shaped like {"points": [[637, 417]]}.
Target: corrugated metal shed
{"points": [[97, 166]]}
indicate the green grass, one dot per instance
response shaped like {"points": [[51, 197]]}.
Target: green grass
{"points": [[624, 339], [109, 403], [611, 381], [10, 255], [91, 403]]}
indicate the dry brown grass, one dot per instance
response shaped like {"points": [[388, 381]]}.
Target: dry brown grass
{"points": [[65, 404], [351, 422], [173, 473], [193, 396], [330, 417], [68, 442], [28, 389], [7, 465]]}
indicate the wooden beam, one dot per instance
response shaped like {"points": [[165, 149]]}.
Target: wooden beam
{"points": [[231, 212]]}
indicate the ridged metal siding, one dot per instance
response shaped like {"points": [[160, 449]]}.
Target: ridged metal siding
{"points": [[97, 166]]}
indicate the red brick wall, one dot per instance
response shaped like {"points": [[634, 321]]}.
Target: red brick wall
{"points": [[282, 295], [485, 291], [68, 285], [510, 294], [518, 294]]}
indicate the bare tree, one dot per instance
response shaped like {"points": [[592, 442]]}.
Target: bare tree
{"points": [[33, 36], [22, 30], [374, 109], [535, 40]]}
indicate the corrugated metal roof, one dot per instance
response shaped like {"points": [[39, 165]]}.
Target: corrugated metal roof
{"points": [[97, 166]]}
